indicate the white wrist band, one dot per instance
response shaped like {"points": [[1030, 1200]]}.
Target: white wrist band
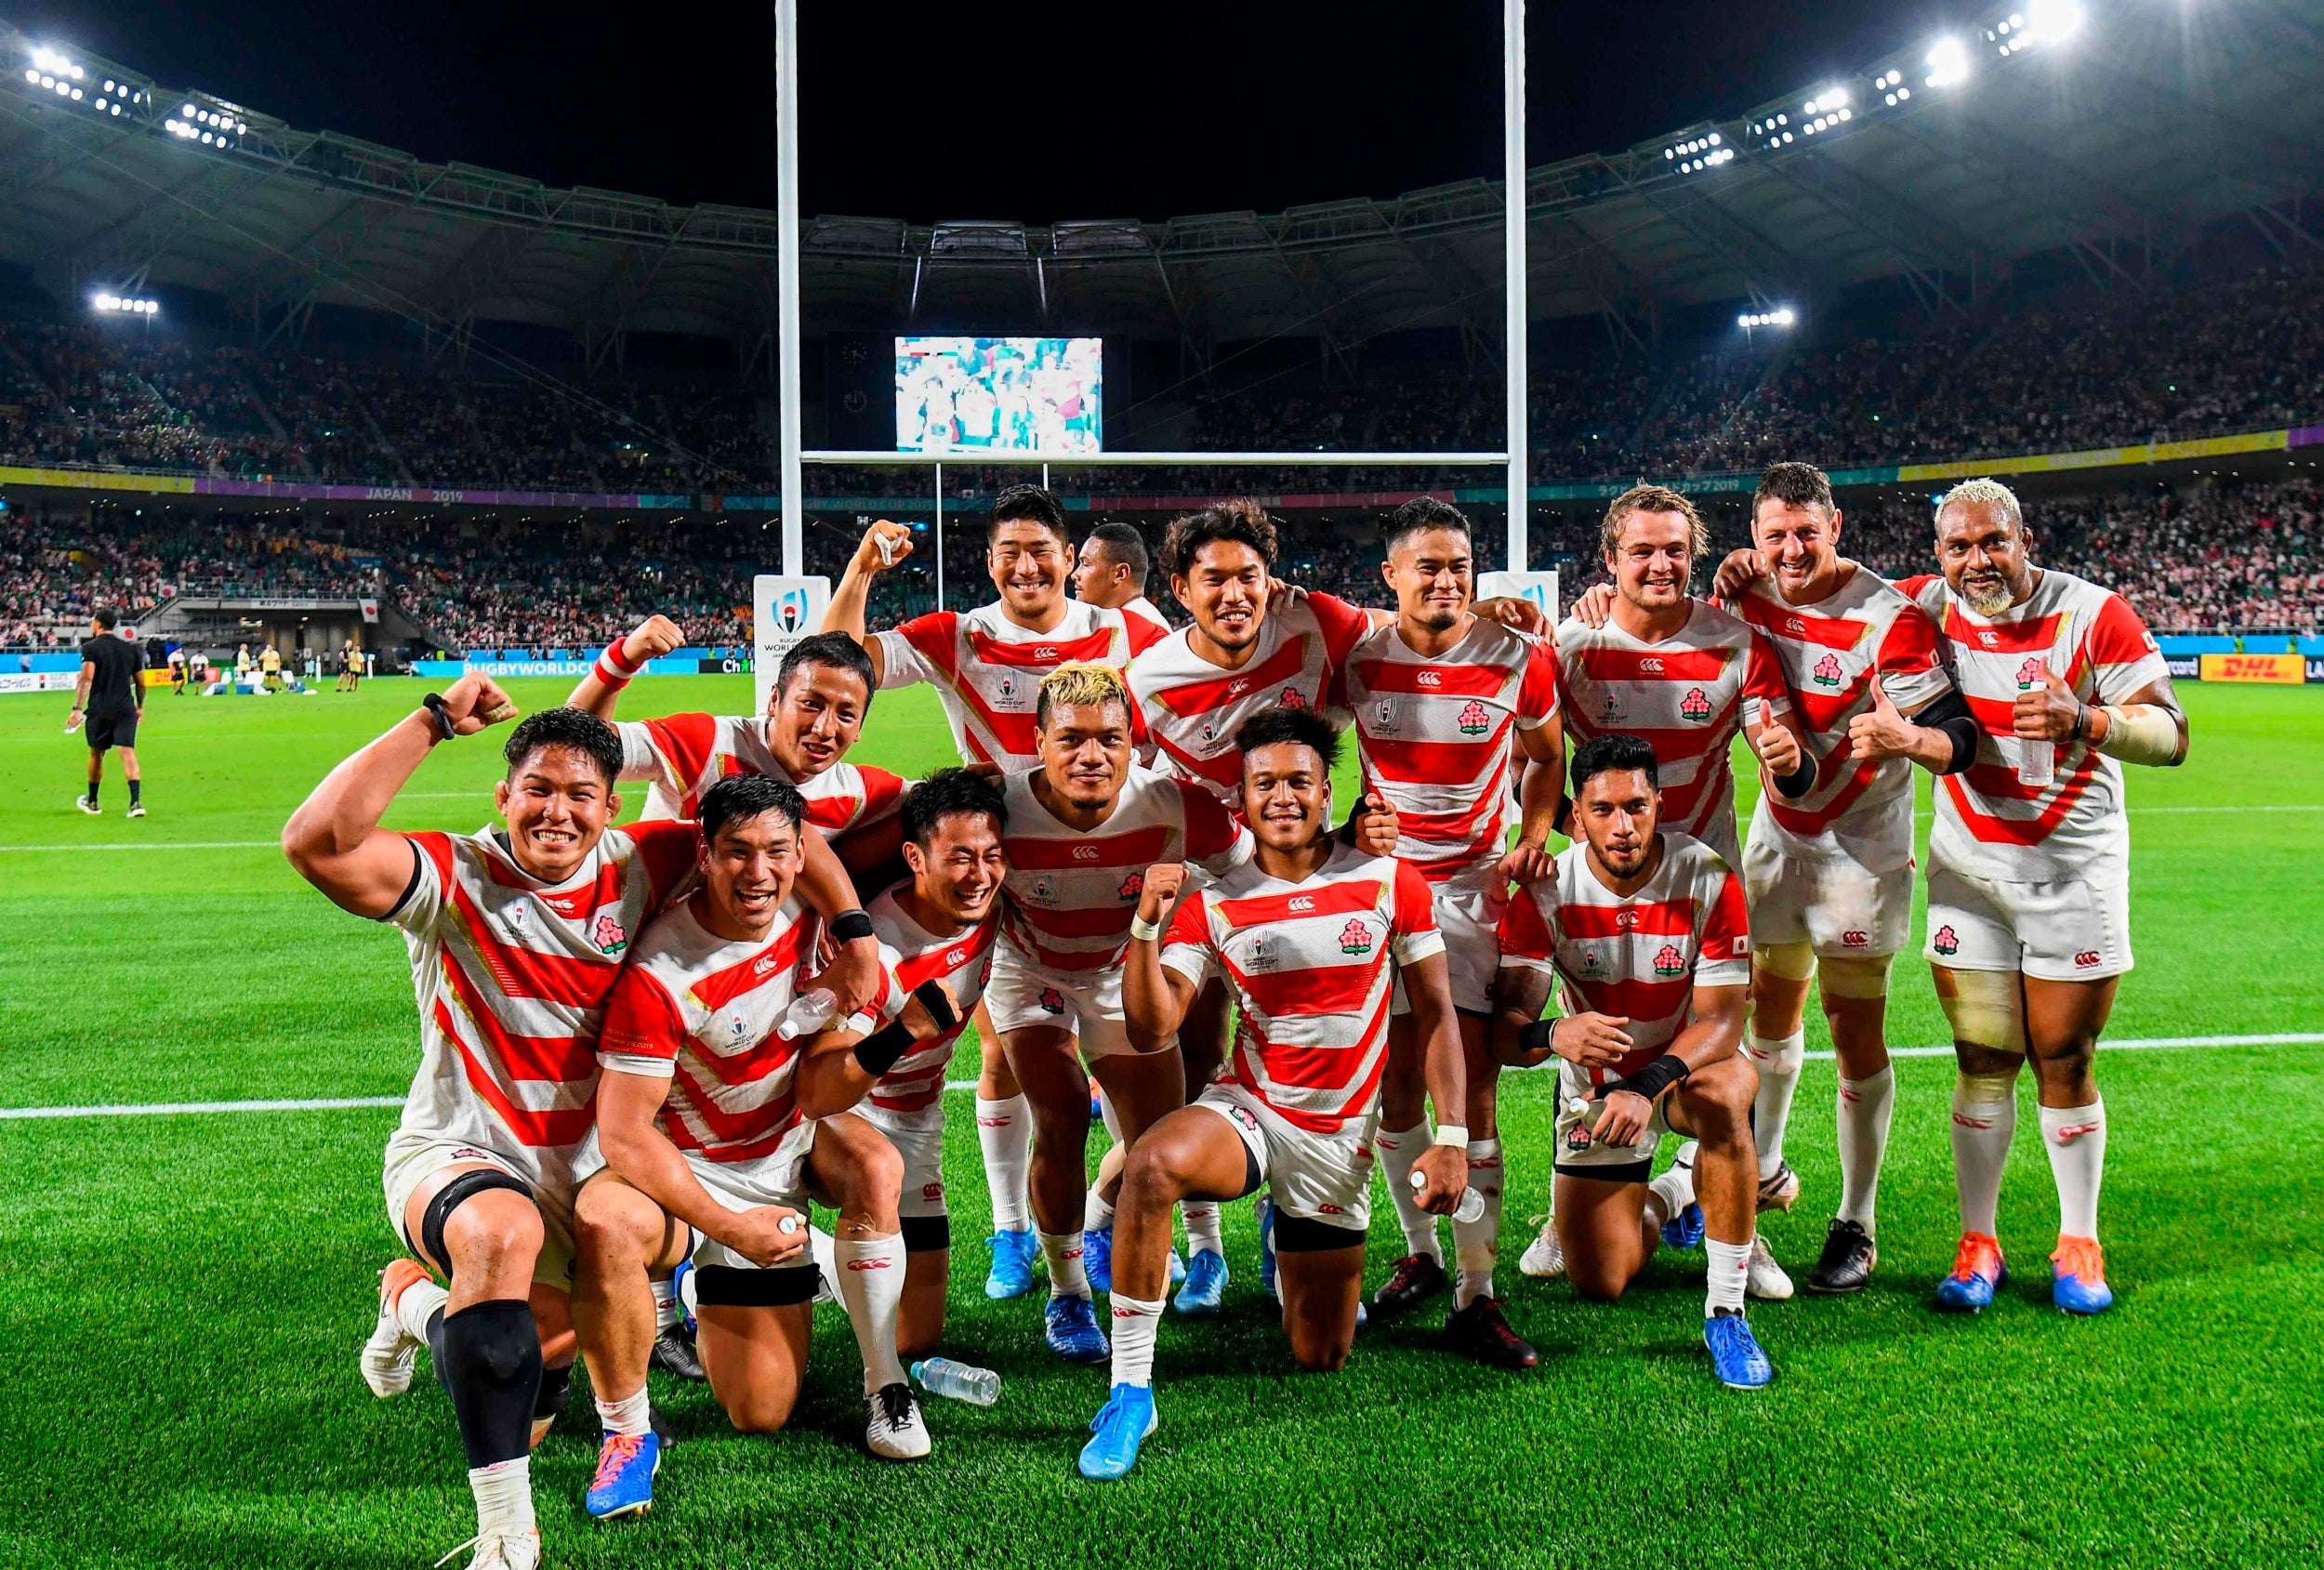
{"points": [[1145, 931], [1455, 1134]]}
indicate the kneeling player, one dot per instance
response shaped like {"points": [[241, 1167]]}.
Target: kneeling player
{"points": [[1305, 933], [938, 926], [1646, 935], [707, 1154]]}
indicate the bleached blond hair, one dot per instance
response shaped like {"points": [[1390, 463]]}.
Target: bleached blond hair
{"points": [[1985, 492], [1080, 684]]}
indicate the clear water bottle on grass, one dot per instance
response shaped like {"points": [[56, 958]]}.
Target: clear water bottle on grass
{"points": [[960, 1382]]}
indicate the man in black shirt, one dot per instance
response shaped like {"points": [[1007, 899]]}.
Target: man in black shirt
{"points": [[111, 694]]}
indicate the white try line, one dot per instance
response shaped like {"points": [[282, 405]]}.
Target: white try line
{"points": [[337, 1104], [156, 845]]}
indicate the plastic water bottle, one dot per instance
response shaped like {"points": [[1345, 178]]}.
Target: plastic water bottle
{"points": [[810, 1012], [1471, 1207], [2036, 761], [961, 1381]]}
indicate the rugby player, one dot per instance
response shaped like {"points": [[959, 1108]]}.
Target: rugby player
{"points": [[1112, 572], [1831, 876], [1306, 933], [1445, 702], [987, 665], [1644, 931], [2028, 928], [815, 713], [1082, 829], [516, 935], [939, 924], [1677, 672], [705, 1153]]}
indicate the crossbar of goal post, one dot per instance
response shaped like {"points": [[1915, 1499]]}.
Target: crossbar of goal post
{"points": [[1004, 459], [1511, 459]]}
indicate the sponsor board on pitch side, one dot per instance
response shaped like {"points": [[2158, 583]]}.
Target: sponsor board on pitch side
{"points": [[2288, 670], [39, 680]]}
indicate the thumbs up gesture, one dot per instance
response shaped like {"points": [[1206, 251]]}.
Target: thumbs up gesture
{"points": [[1881, 732], [2050, 711], [1778, 749]]}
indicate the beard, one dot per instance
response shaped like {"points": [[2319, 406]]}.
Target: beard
{"points": [[1988, 599]]}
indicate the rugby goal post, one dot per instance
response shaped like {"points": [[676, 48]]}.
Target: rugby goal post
{"points": [[1511, 459]]}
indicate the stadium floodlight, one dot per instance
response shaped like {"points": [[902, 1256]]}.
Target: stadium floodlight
{"points": [[1782, 316], [126, 305], [2053, 22], [1949, 62]]}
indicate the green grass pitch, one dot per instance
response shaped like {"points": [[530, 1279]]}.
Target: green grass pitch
{"points": [[183, 1296]]}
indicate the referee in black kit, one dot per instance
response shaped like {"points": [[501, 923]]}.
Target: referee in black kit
{"points": [[111, 694]]}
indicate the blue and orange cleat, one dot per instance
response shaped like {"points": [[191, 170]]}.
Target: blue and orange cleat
{"points": [[1120, 1427], [1735, 1356], [623, 1483], [1013, 1253], [1979, 1271], [2078, 1276], [1070, 1323], [1097, 1257]]}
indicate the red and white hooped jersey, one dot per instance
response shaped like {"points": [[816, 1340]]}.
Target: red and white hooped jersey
{"points": [[962, 960], [512, 976], [1142, 609], [702, 1010], [684, 755], [1310, 966], [1684, 696], [1989, 824], [1071, 895], [1638, 956], [1191, 708], [1830, 651], [988, 670], [1436, 735]]}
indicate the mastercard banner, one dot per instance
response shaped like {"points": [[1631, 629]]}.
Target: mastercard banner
{"points": [[2286, 670]]}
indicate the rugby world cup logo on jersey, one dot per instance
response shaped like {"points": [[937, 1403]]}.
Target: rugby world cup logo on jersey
{"points": [[1262, 953], [608, 935], [1827, 672], [1473, 720], [1696, 705], [1668, 961]]}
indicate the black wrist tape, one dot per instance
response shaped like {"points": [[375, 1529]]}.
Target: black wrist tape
{"points": [[931, 995], [1655, 1078], [1801, 782], [878, 1052], [850, 925], [1539, 1036]]}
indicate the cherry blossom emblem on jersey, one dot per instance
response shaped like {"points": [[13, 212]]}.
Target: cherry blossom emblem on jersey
{"points": [[1668, 961], [2030, 673], [608, 935], [1355, 938], [1472, 719], [1696, 705], [1946, 941], [1827, 671]]}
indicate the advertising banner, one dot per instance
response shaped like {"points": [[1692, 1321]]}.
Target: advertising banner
{"points": [[785, 610], [2286, 670], [39, 680]]}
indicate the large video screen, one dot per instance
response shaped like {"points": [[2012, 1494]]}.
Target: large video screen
{"points": [[998, 395]]}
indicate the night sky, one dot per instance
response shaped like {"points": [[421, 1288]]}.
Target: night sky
{"points": [[1205, 106]]}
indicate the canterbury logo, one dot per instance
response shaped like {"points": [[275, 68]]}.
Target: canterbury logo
{"points": [[2073, 1131], [1960, 1122], [954, 958], [1650, 666], [867, 1264], [766, 962], [1045, 652], [2088, 958], [1794, 624], [1302, 902], [994, 1122], [1627, 921], [1428, 679], [1084, 852], [1237, 687], [1989, 637]]}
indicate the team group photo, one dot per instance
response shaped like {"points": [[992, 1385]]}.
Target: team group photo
{"points": [[641, 945]]}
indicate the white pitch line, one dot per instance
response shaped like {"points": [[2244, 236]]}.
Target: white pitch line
{"points": [[335, 1104], [2268, 807], [157, 845]]}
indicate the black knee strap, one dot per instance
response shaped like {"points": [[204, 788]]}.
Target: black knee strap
{"points": [[927, 1234], [492, 1366], [1304, 1234], [556, 1388], [729, 1286], [449, 1197]]}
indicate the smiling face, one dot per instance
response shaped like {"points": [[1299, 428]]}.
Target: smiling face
{"points": [[1619, 811], [1029, 565], [1226, 593], [1652, 558], [1286, 795], [747, 871], [961, 868], [1800, 541], [1985, 555], [816, 717], [556, 804], [1084, 752], [1433, 578]]}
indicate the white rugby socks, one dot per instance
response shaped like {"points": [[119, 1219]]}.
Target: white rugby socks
{"points": [[1202, 1227], [2076, 1139], [504, 1498], [1674, 1189], [1096, 1214], [1778, 1062], [1062, 1250], [871, 1284], [1865, 1108], [632, 1414], [1982, 1130], [1397, 1149], [1477, 1243], [1004, 1132], [418, 1303], [1135, 1322], [1730, 1268]]}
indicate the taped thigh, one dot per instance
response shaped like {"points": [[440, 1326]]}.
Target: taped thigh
{"points": [[1854, 976], [1794, 961], [1988, 1008]]}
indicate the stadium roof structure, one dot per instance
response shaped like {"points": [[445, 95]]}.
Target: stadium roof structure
{"points": [[2115, 133]]}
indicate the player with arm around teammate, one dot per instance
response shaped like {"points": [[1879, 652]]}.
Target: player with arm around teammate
{"points": [[1645, 934], [2028, 930], [1311, 934], [938, 925], [706, 1153]]}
